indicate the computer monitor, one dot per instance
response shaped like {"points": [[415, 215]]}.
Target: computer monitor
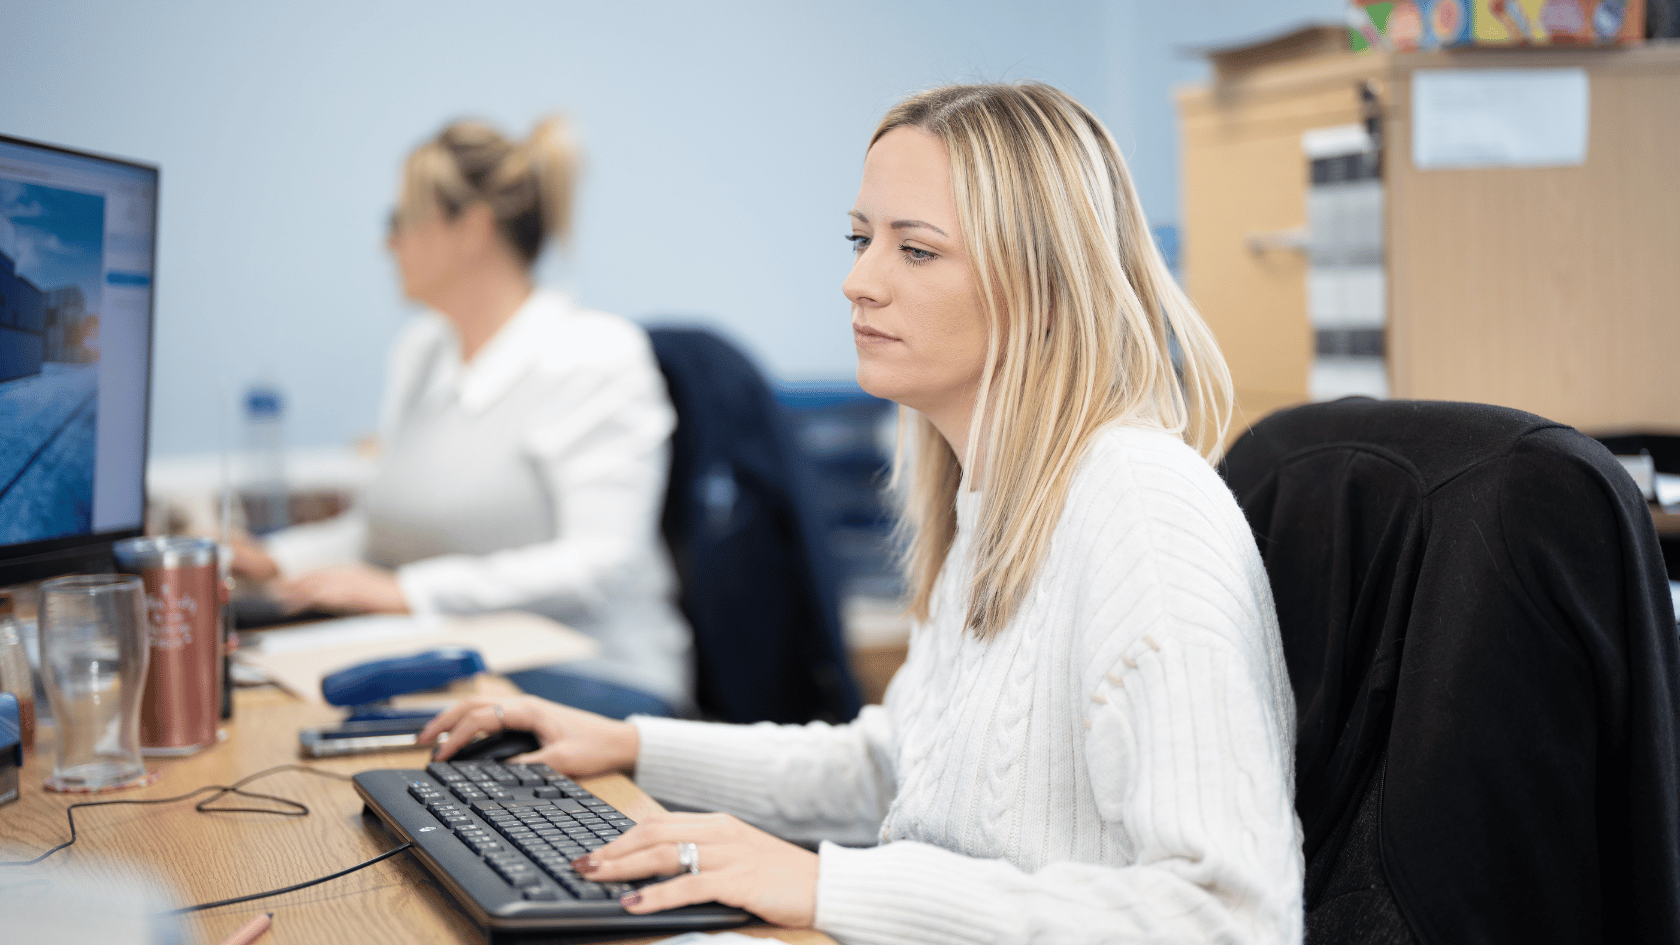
{"points": [[78, 240]]}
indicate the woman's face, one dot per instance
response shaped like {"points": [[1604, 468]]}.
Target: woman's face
{"points": [[430, 251], [917, 317]]}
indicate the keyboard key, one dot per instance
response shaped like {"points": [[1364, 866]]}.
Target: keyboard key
{"points": [[541, 891], [444, 771], [485, 846], [588, 890], [517, 874]]}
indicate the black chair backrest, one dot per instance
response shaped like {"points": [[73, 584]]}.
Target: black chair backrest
{"points": [[1486, 672], [757, 584]]}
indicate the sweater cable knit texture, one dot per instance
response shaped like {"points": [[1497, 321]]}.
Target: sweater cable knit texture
{"points": [[1114, 766]]}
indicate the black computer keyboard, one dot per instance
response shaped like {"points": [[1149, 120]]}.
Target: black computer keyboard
{"points": [[501, 839]]}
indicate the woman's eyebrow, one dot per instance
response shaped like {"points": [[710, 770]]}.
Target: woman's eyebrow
{"points": [[901, 224], [912, 224]]}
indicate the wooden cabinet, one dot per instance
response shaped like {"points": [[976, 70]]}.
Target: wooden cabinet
{"points": [[1554, 290]]}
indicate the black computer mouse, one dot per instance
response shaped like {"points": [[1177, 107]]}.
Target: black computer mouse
{"points": [[498, 747]]}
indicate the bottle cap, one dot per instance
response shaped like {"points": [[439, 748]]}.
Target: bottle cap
{"points": [[263, 402], [164, 551]]}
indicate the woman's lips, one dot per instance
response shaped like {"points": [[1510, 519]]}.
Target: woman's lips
{"points": [[865, 335]]}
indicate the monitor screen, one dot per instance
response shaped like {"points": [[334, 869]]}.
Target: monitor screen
{"points": [[77, 240]]}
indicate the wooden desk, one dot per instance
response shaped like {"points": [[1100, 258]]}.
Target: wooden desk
{"points": [[206, 857]]}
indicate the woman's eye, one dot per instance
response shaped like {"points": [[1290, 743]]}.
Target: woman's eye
{"points": [[916, 255], [859, 242]]}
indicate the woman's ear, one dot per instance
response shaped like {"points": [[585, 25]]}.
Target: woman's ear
{"points": [[477, 224]]}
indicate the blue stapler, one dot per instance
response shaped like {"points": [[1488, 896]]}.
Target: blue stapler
{"points": [[373, 724]]}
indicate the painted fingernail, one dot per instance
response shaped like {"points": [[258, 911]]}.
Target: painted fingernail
{"points": [[585, 864], [629, 899]]}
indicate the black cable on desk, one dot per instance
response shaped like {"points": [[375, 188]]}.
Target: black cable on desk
{"points": [[292, 888], [299, 809]]}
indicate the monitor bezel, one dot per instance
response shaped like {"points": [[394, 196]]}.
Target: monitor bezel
{"points": [[33, 560]]}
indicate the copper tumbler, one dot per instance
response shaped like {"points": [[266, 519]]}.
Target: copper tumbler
{"points": [[183, 697]]}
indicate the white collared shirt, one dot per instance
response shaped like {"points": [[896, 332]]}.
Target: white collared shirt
{"points": [[532, 478]]}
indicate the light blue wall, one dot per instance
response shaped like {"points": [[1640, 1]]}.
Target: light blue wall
{"points": [[724, 141]]}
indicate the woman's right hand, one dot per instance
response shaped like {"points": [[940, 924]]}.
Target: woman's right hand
{"points": [[574, 742], [251, 560]]}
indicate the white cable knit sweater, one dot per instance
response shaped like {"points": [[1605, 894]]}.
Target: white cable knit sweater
{"points": [[1114, 766]]}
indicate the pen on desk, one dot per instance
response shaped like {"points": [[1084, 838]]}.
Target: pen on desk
{"points": [[251, 931]]}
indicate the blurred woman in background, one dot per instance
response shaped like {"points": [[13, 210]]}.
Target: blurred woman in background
{"points": [[523, 439]]}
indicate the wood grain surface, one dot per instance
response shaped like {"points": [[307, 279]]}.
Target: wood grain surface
{"points": [[207, 857], [1548, 289]]}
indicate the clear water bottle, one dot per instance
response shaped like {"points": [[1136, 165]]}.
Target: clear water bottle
{"points": [[267, 505]]}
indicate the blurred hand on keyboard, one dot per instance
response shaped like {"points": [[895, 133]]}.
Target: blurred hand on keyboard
{"points": [[740, 866], [575, 742]]}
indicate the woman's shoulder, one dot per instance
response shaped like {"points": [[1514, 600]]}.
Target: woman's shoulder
{"points": [[1140, 487], [1148, 519], [1130, 464], [570, 336], [418, 341]]}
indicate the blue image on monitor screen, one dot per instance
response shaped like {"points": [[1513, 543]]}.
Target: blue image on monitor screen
{"points": [[76, 259], [52, 244]]}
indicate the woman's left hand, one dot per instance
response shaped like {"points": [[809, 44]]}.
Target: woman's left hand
{"points": [[345, 589], [740, 866]]}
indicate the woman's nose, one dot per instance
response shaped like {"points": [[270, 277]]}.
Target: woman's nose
{"points": [[864, 285]]}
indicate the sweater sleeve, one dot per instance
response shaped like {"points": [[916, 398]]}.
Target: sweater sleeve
{"points": [[801, 782], [1183, 763], [602, 454]]}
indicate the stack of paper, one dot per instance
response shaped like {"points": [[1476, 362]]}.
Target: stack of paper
{"points": [[297, 658]]}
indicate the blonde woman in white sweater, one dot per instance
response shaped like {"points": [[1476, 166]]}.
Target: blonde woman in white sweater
{"points": [[1092, 738]]}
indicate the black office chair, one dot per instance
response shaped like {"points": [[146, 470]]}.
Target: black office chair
{"points": [[758, 585], [1485, 665]]}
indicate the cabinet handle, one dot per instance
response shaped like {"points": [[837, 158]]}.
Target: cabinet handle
{"points": [[1293, 239]]}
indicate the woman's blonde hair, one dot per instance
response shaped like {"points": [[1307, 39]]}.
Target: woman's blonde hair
{"points": [[527, 185], [1087, 328]]}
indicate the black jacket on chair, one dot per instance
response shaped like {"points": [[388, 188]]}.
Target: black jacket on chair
{"points": [[1486, 670], [758, 584]]}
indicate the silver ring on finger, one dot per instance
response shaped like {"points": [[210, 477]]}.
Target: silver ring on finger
{"points": [[499, 720], [688, 856]]}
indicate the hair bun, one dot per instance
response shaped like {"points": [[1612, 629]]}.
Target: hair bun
{"points": [[554, 158]]}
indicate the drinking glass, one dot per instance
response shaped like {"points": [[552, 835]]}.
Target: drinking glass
{"points": [[93, 662]]}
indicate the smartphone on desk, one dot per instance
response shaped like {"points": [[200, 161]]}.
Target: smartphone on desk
{"points": [[361, 737]]}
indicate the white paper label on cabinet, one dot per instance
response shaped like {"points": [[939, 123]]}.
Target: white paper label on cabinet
{"points": [[1468, 118], [1347, 290]]}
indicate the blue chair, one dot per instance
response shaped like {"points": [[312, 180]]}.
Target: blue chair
{"points": [[757, 583]]}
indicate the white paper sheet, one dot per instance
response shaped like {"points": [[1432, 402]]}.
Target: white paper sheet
{"points": [[714, 939], [298, 657], [1464, 118], [1666, 488]]}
